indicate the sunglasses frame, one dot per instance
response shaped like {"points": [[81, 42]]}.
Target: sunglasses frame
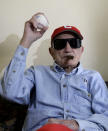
{"points": [[63, 45]]}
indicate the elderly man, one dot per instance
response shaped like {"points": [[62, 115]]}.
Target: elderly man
{"points": [[63, 94]]}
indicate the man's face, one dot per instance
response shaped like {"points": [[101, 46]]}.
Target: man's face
{"points": [[67, 56]]}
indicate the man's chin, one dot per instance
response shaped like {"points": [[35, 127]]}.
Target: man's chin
{"points": [[69, 63]]}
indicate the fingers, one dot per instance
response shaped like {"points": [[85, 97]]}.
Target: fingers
{"points": [[35, 26], [58, 121], [43, 30]]}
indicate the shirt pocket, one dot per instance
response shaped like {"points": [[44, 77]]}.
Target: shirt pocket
{"points": [[82, 99]]}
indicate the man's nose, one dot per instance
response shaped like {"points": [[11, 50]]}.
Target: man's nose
{"points": [[68, 47]]}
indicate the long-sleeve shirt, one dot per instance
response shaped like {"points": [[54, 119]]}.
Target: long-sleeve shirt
{"points": [[50, 92]]}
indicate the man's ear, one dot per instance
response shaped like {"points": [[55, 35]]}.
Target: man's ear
{"points": [[51, 51], [82, 49]]}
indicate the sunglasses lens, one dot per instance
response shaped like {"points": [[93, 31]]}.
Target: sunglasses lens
{"points": [[61, 43], [75, 43]]}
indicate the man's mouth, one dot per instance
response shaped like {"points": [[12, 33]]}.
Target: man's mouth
{"points": [[68, 56]]}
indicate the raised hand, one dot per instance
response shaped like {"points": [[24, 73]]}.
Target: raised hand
{"points": [[32, 31]]}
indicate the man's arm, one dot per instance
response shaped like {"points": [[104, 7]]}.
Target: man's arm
{"points": [[99, 119], [16, 83]]}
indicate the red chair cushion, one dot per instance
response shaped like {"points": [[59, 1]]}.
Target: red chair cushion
{"points": [[54, 127]]}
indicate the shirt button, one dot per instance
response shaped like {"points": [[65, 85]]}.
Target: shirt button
{"points": [[59, 113], [66, 75], [89, 94], [14, 71], [22, 53], [67, 117], [67, 111], [64, 86]]}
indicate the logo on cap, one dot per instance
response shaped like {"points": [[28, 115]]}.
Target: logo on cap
{"points": [[68, 27]]}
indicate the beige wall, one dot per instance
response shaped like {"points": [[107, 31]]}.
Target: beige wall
{"points": [[90, 16]]}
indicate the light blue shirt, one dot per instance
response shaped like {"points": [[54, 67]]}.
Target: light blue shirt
{"points": [[81, 95]]}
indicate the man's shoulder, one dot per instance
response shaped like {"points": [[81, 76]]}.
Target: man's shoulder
{"points": [[38, 69], [90, 72], [41, 67], [91, 75]]}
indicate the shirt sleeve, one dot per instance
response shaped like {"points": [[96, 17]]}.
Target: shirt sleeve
{"points": [[1, 92], [99, 120], [16, 82]]}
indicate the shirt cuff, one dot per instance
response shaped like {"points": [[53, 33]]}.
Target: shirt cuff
{"points": [[87, 125], [21, 53]]}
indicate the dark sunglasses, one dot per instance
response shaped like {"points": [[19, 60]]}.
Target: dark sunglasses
{"points": [[61, 43]]}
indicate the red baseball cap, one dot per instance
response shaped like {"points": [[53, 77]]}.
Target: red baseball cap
{"points": [[70, 29]]}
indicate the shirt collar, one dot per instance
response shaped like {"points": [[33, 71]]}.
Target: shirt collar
{"points": [[59, 69]]}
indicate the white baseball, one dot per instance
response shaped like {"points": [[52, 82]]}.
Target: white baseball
{"points": [[41, 20]]}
